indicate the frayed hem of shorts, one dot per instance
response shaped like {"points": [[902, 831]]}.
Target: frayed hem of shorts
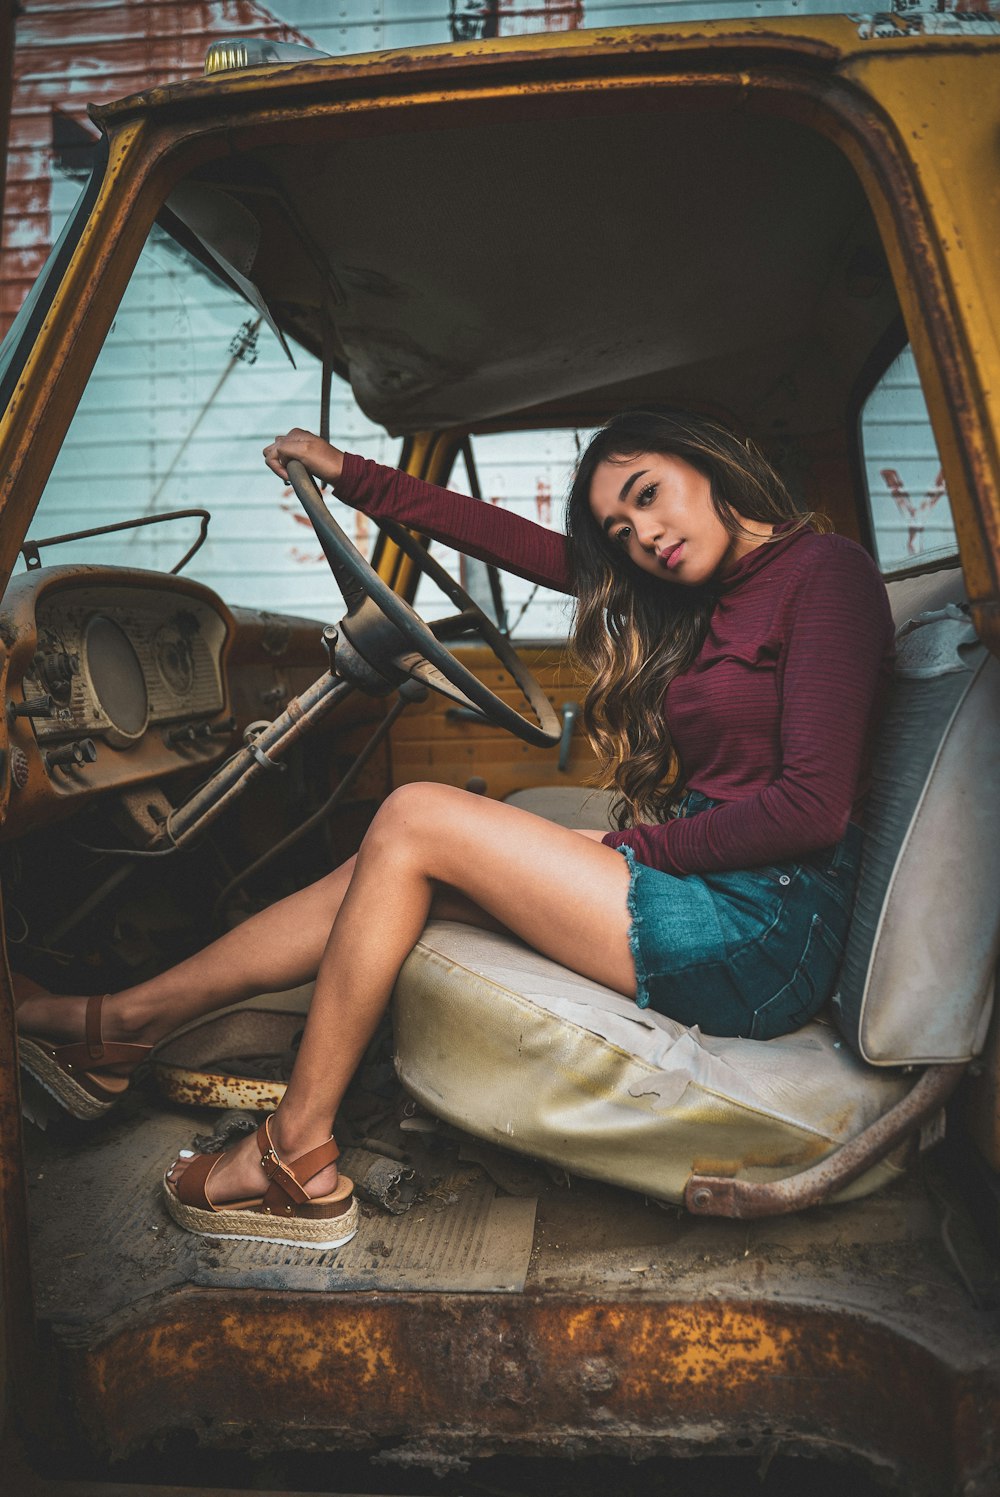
{"points": [[635, 920]]}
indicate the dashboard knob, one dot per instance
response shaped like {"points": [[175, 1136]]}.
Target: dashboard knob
{"points": [[72, 755], [43, 706], [57, 668]]}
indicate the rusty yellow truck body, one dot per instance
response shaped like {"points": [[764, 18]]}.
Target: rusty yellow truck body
{"points": [[756, 216]]}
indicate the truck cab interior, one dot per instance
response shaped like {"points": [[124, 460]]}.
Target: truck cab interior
{"points": [[587, 1230]]}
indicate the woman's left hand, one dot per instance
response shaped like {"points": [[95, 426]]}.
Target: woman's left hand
{"points": [[322, 460]]}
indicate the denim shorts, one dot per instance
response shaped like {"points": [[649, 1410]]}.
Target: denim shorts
{"points": [[753, 953]]}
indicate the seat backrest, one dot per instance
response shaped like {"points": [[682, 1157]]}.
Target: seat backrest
{"points": [[917, 980]]}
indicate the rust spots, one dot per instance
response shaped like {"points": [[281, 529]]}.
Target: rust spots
{"points": [[464, 1372], [192, 1088], [738, 1348]]}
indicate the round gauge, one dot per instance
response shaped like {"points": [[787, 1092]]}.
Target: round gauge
{"points": [[116, 678], [174, 659]]}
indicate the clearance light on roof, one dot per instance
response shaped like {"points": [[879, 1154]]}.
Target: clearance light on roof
{"points": [[254, 52]]}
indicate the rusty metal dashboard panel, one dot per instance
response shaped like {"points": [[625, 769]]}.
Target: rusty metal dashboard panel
{"points": [[121, 660], [112, 678]]}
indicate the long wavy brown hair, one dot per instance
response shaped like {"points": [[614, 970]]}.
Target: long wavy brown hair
{"points": [[634, 633]]}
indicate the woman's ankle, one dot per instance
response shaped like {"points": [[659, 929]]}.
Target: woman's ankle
{"points": [[294, 1136], [130, 1017]]}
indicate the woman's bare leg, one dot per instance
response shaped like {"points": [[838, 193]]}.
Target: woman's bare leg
{"points": [[278, 948], [565, 895]]}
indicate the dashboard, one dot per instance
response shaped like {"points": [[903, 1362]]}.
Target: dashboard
{"points": [[119, 664], [111, 678]]}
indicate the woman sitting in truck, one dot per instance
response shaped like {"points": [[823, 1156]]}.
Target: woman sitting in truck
{"points": [[737, 652]]}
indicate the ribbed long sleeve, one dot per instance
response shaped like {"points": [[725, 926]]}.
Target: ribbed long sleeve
{"points": [[484, 531]]}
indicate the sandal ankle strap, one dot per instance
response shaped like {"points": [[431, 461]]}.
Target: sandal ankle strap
{"points": [[93, 1037], [93, 1051], [286, 1182]]}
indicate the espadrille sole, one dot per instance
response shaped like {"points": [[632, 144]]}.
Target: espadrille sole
{"points": [[253, 1224], [70, 1095]]}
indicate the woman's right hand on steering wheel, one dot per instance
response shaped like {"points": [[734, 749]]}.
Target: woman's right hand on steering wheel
{"points": [[322, 460]]}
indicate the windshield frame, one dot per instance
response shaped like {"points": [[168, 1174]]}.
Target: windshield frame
{"points": [[23, 331]]}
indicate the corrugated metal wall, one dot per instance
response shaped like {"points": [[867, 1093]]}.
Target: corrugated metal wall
{"points": [[905, 483], [185, 395]]}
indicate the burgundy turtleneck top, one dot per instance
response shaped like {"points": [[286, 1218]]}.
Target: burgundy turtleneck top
{"points": [[775, 715]]}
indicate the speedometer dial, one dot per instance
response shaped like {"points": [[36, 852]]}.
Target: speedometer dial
{"points": [[116, 679]]}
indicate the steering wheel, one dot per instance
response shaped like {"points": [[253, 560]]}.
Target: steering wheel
{"points": [[382, 642]]}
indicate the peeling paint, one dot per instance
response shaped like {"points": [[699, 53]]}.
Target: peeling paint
{"points": [[65, 56]]}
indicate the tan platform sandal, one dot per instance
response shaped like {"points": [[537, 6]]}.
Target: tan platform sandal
{"points": [[284, 1214], [86, 1077]]}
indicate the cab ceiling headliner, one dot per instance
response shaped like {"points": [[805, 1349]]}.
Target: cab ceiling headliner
{"points": [[713, 258]]}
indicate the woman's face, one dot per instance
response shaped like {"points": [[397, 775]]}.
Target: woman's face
{"points": [[659, 511]]}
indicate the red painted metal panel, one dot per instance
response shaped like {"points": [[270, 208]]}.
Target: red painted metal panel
{"points": [[67, 55]]}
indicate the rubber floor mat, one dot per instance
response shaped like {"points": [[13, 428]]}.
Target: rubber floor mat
{"points": [[102, 1240]]}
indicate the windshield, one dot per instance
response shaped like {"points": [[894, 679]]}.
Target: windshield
{"points": [[70, 208], [189, 387]]}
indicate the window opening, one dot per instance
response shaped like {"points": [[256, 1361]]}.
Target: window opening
{"points": [[907, 493], [529, 473], [189, 387]]}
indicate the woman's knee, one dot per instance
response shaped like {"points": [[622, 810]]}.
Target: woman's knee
{"points": [[414, 810]]}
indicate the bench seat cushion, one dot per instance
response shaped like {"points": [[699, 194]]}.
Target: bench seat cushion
{"points": [[518, 1050]]}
